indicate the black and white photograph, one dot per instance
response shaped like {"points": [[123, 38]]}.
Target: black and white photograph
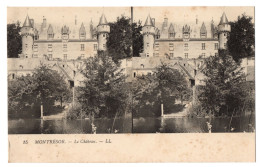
{"points": [[110, 70], [91, 84], [67, 70], [195, 71]]}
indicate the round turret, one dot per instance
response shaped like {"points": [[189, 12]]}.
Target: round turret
{"points": [[148, 35], [27, 33], [102, 29], [224, 29]]}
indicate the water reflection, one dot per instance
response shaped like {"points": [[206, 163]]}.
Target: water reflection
{"points": [[39, 126], [190, 125]]}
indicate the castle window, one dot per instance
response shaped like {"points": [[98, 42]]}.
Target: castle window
{"points": [[203, 55], [64, 46], [13, 76], [147, 44], [134, 74], [65, 56], [35, 56], [49, 47], [142, 65], [171, 46], [82, 47], [225, 45], [186, 55], [216, 46], [147, 54], [171, 55], [203, 35], [104, 46], [50, 56], [50, 36], [104, 35], [156, 46], [82, 56], [186, 46], [35, 47], [203, 46], [95, 46], [171, 35], [26, 45]]}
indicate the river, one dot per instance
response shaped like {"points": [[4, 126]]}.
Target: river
{"points": [[140, 125], [191, 125], [62, 126]]}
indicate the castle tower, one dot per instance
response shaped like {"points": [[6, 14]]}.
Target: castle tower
{"points": [[224, 29], [27, 33], [102, 29], [148, 35]]}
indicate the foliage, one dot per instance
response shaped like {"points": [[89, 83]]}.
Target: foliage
{"points": [[137, 39], [119, 43], [14, 40], [241, 41], [223, 92], [44, 86], [125, 39], [104, 91], [162, 87]]}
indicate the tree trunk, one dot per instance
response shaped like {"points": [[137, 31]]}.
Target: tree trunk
{"points": [[114, 121], [61, 101]]}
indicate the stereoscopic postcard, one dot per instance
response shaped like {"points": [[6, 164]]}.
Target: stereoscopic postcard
{"points": [[131, 84]]}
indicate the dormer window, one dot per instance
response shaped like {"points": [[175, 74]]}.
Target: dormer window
{"points": [[50, 36]]}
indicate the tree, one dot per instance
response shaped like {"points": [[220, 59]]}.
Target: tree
{"points": [[162, 87], [125, 40], [103, 92], [137, 39], [119, 43], [14, 40], [223, 92], [44, 86], [241, 42]]}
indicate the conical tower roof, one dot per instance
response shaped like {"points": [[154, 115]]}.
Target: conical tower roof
{"points": [[148, 21], [27, 22], [103, 20], [223, 19]]}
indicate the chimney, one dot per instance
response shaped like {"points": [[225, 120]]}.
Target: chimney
{"points": [[165, 22], [197, 20], [153, 20], [44, 23]]}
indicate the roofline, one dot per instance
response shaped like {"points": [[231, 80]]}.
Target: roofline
{"points": [[70, 40], [181, 39]]}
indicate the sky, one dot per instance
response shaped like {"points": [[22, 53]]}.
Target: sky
{"points": [[182, 14], [85, 14], [65, 14]]}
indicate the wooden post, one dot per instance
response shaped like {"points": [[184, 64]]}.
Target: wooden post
{"points": [[73, 100], [162, 110], [41, 111]]}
